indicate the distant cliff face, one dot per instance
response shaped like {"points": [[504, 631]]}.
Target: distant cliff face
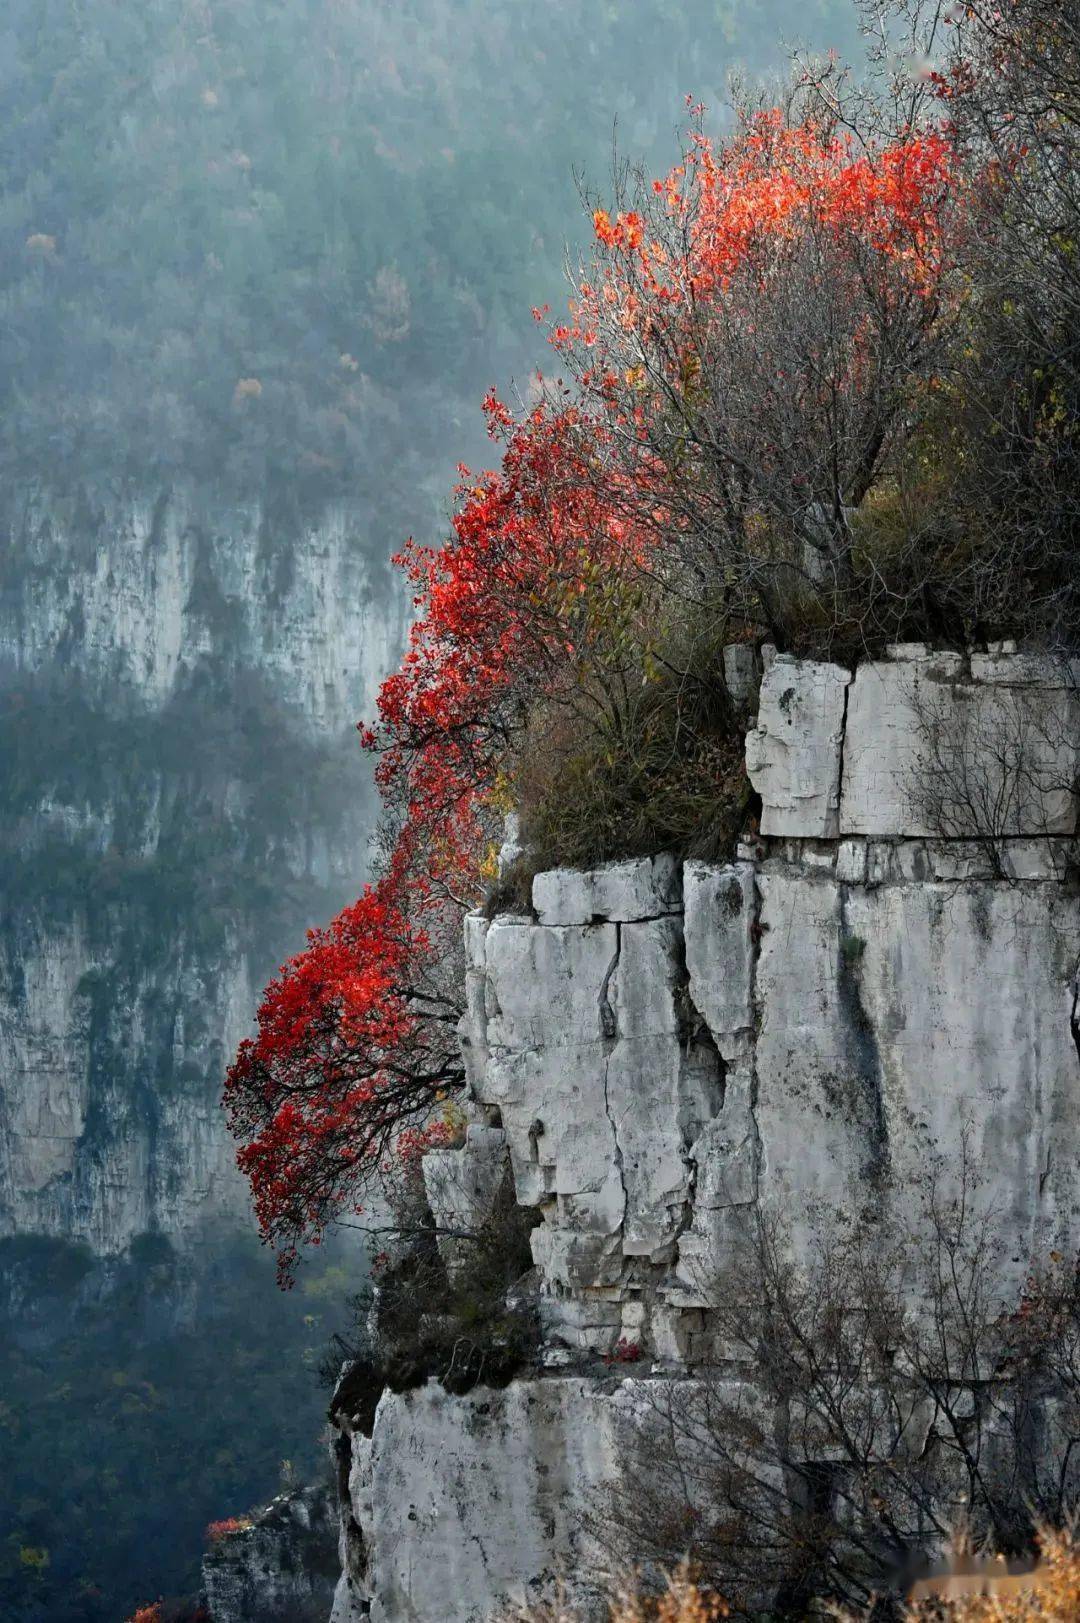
{"points": [[280, 1568], [181, 795], [134, 592], [93, 1148]]}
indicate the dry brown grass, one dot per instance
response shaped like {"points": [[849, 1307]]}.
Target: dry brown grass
{"points": [[1051, 1594], [682, 1602]]}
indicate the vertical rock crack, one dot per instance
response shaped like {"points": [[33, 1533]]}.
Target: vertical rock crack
{"points": [[609, 1032]]}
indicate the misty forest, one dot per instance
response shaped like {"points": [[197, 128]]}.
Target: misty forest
{"points": [[539, 760]]}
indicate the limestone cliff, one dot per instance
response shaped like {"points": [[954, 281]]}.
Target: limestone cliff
{"points": [[883, 982]]}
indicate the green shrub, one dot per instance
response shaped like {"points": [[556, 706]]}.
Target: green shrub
{"points": [[643, 755], [474, 1324]]}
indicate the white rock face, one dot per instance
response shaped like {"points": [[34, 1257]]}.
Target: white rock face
{"points": [[742, 675], [462, 1186], [490, 1488], [598, 1094], [918, 1023], [793, 755], [618, 893], [862, 1004], [544, 985], [475, 1506], [721, 913], [933, 749]]}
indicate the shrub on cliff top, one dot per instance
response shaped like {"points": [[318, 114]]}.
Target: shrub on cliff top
{"points": [[653, 763], [473, 1323]]}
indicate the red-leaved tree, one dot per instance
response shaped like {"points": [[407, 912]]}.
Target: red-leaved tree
{"points": [[755, 328], [356, 1045], [741, 350], [356, 1039]]}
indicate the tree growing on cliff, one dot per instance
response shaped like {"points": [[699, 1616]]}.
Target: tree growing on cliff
{"points": [[741, 357], [356, 1047], [755, 327], [1001, 454]]}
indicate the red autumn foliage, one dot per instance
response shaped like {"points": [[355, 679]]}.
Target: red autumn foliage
{"points": [[216, 1531], [502, 610], [624, 1352], [751, 329], [772, 183], [356, 1037]]}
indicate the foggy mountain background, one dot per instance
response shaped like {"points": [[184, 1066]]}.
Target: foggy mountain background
{"points": [[259, 261]]}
